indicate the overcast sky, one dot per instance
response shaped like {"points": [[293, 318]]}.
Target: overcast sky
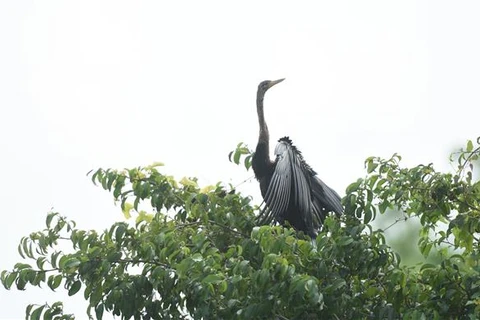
{"points": [[91, 84]]}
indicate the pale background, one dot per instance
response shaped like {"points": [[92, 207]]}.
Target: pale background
{"points": [[120, 84]]}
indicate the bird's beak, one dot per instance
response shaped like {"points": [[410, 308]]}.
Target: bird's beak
{"points": [[274, 82]]}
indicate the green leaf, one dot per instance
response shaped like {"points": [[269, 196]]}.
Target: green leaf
{"points": [[21, 281], [54, 258], [20, 251], [368, 214], [232, 302], [371, 166], [212, 278], [71, 263], [39, 278], [21, 266], [54, 281], [10, 279], [41, 262], [47, 315], [99, 311], [383, 206], [197, 257], [126, 210], [156, 164], [345, 241], [354, 186], [426, 249], [26, 249], [207, 189], [469, 146], [337, 284], [111, 177], [37, 313], [28, 310], [50, 216], [299, 286], [188, 182], [120, 232], [236, 157], [248, 162], [57, 305], [74, 288]]}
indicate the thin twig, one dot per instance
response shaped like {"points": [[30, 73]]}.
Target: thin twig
{"points": [[229, 229], [244, 181], [214, 223], [397, 220], [166, 266]]}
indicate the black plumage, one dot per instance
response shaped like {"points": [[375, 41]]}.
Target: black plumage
{"points": [[291, 189]]}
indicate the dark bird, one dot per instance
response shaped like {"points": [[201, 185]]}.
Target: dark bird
{"points": [[291, 189]]}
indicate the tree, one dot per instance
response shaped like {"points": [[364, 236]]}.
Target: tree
{"points": [[199, 253]]}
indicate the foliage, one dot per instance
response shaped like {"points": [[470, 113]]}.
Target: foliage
{"points": [[199, 253]]}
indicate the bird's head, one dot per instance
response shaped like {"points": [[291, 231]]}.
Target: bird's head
{"points": [[267, 84]]}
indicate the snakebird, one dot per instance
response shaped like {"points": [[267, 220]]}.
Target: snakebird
{"points": [[290, 188]]}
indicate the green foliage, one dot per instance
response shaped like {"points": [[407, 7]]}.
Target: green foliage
{"points": [[241, 150], [198, 252]]}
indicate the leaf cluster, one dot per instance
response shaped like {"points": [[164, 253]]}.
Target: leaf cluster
{"points": [[197, 252]]}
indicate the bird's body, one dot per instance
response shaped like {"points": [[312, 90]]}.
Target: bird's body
{"points": [[289, 186]]}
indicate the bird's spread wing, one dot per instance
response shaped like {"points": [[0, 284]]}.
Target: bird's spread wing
{"points": [[329, 199], [325, 199], [290, 182], [278, 192], [296, 191]]}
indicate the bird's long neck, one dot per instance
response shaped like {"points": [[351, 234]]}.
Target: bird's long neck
{"points": [[263, 137]]}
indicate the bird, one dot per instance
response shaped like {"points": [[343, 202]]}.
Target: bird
{"points": [[289, 186]]}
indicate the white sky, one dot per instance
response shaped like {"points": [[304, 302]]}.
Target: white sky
{"points": [[120, 84]]}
